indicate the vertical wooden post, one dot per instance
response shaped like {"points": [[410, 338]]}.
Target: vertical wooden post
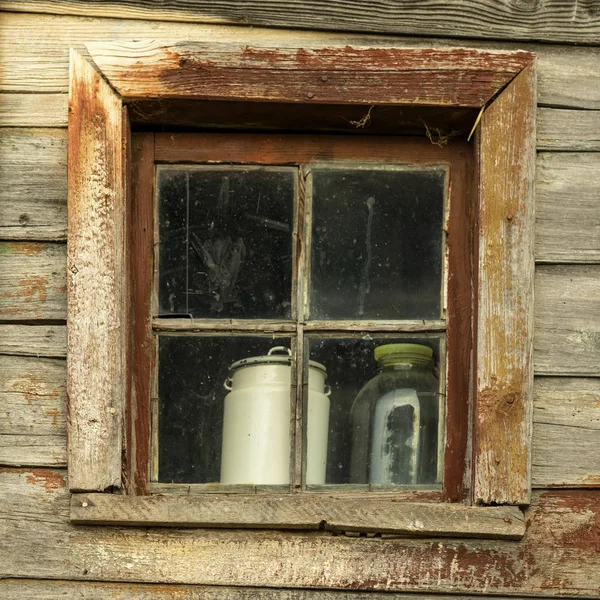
{"points": [[504, 381], [96, 263]]}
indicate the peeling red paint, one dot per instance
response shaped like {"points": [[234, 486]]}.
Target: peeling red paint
{"points": [[50, 479]]}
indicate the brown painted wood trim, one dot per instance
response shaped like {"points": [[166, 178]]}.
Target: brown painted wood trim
{"points": [[504, 376], [294, 149], [460, 294], [96, 258], [378, 515], [318, 75], [141, 275]]}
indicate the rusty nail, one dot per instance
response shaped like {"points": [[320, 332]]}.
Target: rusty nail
{"points": [[74, 270], [324, 78], [310, 95], [507, 520], [113, 410]]}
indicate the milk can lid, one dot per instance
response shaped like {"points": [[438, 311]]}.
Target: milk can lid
{"points": [[280, 355]]}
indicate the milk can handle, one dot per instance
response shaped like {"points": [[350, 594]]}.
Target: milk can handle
{"points": [[279, 350], [227, 384]]}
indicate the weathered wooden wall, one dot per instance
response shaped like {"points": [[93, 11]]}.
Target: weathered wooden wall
{"points": [[42, 555]]}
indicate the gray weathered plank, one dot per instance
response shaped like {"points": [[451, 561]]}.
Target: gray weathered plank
{"points": [[566, 432], [504, 379], [573, 130], [568, 207], [306, 511], [567, 320], [40, 589], [34, 51], [33, 451], [97, 282], [34, 340], [33, 110], [565, 21], [557, 556], [32, 413], [32, 281], [33, 193]]}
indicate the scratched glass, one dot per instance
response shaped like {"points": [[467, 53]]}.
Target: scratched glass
{"points": [[192, 373], [225, 241], [377, 249], [351, 364]]}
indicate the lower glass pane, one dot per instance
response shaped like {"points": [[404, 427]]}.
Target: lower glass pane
{"points": [[386, 415], [218, 425]]}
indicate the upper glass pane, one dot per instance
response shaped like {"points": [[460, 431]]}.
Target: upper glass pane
{"points": [[225, 237], [377, 249]]}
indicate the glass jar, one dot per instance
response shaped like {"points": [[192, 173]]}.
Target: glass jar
{"points": [[395, 419]]}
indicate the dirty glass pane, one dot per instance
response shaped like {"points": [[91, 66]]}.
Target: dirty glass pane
{"points": [[385, 420], [225, 238], [192, 373], [377, 243]]}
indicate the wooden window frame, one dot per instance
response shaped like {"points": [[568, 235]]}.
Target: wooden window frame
{"points": [[99, 362]]}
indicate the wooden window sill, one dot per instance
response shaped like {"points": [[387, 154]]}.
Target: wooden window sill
{"points": [[306, 512]]}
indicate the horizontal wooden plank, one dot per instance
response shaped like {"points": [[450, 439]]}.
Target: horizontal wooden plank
{"points": [[32, 281], [566, 432], [567, 320], [34, 340], [33, 110], [568, 207], [566, 22], [34, 51], [557, 557], [33, 184], [572, 130], [33, 451], [32, 413], [46, 589], [306, 511]]}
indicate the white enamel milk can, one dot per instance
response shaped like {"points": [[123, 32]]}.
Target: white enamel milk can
{"points": [[256, 421]]}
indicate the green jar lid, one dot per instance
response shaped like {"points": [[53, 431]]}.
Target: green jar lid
{"points": [[403, 353]]}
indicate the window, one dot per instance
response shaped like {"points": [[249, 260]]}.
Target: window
{"points": [[496, 358], [259, 244]]}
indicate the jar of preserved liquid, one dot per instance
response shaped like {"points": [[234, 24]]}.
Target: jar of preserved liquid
{"points": [[395, 419], [256, 421]]}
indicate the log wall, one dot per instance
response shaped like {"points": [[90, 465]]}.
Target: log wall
{"points": [[43, 555]]}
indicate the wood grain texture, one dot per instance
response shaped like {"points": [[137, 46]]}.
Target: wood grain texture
{"points": [[34, 340], [306, 512], [34, 51], [319, 75], [96, 262], [504, 376], [32, 281], [33, 181], [567, 227], [33, 110], [563, 21], [567, 320], [572, 130], [25, 589], [566, 433], [32, 413], [557, 557]]}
